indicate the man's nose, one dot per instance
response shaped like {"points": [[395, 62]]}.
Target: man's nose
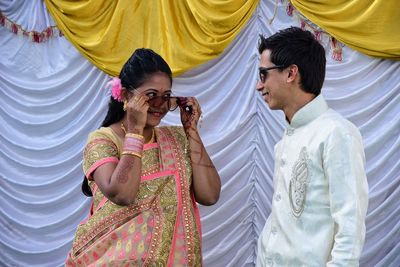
{"points": [[259, 86]]}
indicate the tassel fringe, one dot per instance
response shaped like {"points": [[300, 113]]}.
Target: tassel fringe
{"points": [[34, 36], [329, 42]]}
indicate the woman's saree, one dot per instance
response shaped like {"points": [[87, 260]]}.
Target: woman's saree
{"points": [[162, 227]]}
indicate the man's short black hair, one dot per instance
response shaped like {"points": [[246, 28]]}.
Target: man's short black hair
{"points": [[296, 46]]}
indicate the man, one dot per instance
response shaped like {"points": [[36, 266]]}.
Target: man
{"points": [[320, 187]]}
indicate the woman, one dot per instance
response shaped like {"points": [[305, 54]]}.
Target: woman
{"points": [[145, 180]]}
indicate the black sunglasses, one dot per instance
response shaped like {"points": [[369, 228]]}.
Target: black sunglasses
{"points": [[263, 72], [172, 101]]}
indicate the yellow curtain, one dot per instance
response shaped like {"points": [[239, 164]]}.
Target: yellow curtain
{"points": [[369, 26], [185, 33]]}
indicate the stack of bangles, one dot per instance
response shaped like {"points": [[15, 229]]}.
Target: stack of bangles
{"points": [[133, 145]]}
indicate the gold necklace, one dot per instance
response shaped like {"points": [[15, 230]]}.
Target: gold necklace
{"points": [[123, 128], [152, 139]]}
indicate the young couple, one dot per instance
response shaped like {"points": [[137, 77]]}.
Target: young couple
{"points": [[146, 180]]}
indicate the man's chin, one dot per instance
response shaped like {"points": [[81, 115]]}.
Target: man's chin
{"points": [[271, 105], [268, 101]]}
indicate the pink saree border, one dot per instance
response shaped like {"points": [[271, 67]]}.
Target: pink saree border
{"points": [[158, 175], [178, 215], [98, 164], [197, 216], [179, 193], [150, 146], [170, 143], [177, 177]]}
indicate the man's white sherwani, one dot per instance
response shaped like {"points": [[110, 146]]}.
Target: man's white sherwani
{"points": [[320, 193]]}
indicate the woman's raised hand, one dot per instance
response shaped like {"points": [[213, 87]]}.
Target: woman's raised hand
{"points": [[136, 110], [190, 118]]}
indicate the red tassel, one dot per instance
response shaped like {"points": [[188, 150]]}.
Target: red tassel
{"points": [[35, 37], [303, 24], [2, 19], [289, 9], [49, 32], [336, 50], [317, 35], [337, 54], [14, 28]]}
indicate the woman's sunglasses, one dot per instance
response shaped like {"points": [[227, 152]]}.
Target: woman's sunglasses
{"points": [[172, 101]]}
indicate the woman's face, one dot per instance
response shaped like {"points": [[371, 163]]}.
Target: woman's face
{"points": [[157, 88]]}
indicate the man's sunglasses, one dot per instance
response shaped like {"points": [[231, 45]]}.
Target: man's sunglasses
{"points": [[263, 72]]}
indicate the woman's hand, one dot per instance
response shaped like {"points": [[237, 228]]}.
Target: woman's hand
{"points": [[190, 118], [206, 183], [120, 182], [136, 111]]}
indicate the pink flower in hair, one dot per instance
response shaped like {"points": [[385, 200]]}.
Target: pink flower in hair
{"points": [[116, 89]]}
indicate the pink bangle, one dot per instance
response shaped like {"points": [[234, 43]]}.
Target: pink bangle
{"points": [[137, 136], [133, 144]]}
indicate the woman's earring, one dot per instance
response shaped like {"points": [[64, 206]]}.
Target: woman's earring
{"points": [[125, 104], [200, 121]]}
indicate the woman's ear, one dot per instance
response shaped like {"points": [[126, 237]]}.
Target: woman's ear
{"points": [[125, 93]]}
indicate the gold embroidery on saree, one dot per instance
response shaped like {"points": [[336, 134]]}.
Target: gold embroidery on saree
{"points": [[191, 233], [150, 161], [96, 150], [158, 196]]}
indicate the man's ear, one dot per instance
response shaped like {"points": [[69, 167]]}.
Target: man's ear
{"points": [[293, 72]]}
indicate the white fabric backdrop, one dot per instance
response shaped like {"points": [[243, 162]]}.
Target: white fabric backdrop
{"points": [[51, 98]]}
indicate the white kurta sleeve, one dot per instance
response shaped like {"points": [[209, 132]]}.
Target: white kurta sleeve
{"points": [[343, 162]]}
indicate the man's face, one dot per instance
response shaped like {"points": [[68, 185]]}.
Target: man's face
{"points": [[271, 83]]}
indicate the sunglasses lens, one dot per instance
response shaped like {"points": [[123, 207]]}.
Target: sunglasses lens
{"points": [[154, 101], [157, 101], [262, 75], [172, 103]]}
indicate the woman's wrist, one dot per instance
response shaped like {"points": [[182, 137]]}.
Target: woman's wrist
{"points": [[135, 130], [190, 130]]}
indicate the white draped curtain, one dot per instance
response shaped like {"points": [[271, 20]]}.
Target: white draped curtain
{"points": [[51, 98]]}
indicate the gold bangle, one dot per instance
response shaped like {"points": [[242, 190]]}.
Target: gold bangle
{"points": [[131, 153], [135, 136]]}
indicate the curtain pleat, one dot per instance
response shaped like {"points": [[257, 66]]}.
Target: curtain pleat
{"points": [[186, 33]]}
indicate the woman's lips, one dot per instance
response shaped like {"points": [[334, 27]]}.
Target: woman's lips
{"points": [[156, 113]]}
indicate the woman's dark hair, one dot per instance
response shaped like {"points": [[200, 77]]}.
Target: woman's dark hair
{"points": [[141, 65]]}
